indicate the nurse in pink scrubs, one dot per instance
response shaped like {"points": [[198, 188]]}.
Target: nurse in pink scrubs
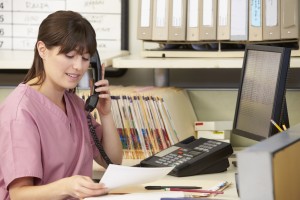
{"points": [[46, 150]]}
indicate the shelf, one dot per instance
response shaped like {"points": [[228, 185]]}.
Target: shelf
{"points": [[202, 54], [23, 59], [213, 49], [134, 61], [152, 56]]}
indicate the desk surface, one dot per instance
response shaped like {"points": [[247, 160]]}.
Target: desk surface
{"points": [[205, 181]]}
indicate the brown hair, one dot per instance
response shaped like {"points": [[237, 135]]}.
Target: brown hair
{"points": [[66, 29]]}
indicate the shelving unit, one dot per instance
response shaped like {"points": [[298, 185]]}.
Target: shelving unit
{"points": [[135, 61], [153, 57]]}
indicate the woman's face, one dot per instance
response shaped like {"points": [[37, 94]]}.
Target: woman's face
{"points": [[64, 71]]}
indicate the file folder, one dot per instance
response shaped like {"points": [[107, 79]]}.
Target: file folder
{"points": [[208, 19], [193, 17], [160, 20], [271, 19], [145, 12], [223, 27], [148, 119], [239, 20], [177, 20], [289, 19], [255, 20]]}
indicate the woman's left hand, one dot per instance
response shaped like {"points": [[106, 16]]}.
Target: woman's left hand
{"points": [[102, 87]]}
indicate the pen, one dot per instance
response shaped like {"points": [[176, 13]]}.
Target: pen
{"points": [[166, 187], [276, 125], [218, 186], [191, 190], [284, 127], [224, 187]]}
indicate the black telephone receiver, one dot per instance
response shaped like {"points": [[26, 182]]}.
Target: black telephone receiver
{"points": [[95, 64], [92, 102]]}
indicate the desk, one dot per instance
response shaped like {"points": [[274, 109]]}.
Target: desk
{"points": [[205, 181]]}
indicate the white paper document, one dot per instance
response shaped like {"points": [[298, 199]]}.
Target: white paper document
{"points": [[140, 196], [117, 175]]}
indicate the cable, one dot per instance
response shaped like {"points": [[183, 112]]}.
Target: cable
{"points": [[97, 141]]}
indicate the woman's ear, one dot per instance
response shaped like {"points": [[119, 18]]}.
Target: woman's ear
{"points": [[41, 47]]}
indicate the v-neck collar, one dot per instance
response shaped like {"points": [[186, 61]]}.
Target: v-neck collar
{"points": [[48, 104]]}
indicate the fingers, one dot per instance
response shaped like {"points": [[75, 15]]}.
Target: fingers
{"points": [[103, 82], [84, 192], [86, 187], [103, 71], [102, 87], [104, 92]]}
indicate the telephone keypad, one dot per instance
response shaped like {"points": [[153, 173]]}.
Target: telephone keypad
{"points": [[183, 155], [193, 156]]}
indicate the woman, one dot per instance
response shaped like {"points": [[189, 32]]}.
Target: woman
{"points": [[46, 150]]}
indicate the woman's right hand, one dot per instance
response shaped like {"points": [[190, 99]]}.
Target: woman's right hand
{"points": [[76, 186], [82, 186]]}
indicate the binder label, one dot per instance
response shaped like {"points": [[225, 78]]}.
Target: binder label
{"points": [[256, 13], [223, 12], [161, 13], [145, 12], [271, 13], [207, 13], [193, 13], [177, 13]]}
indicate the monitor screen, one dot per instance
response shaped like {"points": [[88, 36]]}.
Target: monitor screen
{"points": [[261, 95]]}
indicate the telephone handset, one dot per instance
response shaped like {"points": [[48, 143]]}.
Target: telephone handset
{"points": [[96, 68], [92, 102]]}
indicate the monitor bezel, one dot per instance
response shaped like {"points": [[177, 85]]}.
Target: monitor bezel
{"points": [[279, 106]]}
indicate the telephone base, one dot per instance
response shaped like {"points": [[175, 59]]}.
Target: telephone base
{"points": [[192, 157], [217, 167]]}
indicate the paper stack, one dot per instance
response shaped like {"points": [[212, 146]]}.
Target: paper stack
{"points": [[217, 130]]}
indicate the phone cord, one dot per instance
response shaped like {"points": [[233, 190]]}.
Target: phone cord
{"points": [[97, 141]]}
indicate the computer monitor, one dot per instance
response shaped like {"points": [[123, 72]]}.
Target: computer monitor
{"points": [[261, 95]]}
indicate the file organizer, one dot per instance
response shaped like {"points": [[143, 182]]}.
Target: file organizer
{"points": [[177, 20], [223, 19], [289, 20], [208, 20], [193, 20], [271, 19], [223, 26], [149, 119], [160, 26], [145, 20]]}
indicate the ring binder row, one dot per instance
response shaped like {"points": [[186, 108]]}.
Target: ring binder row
{"points": [[218, 21], [149, 119]]}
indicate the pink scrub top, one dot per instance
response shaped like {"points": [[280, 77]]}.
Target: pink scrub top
{"points": [[40, 140]]}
